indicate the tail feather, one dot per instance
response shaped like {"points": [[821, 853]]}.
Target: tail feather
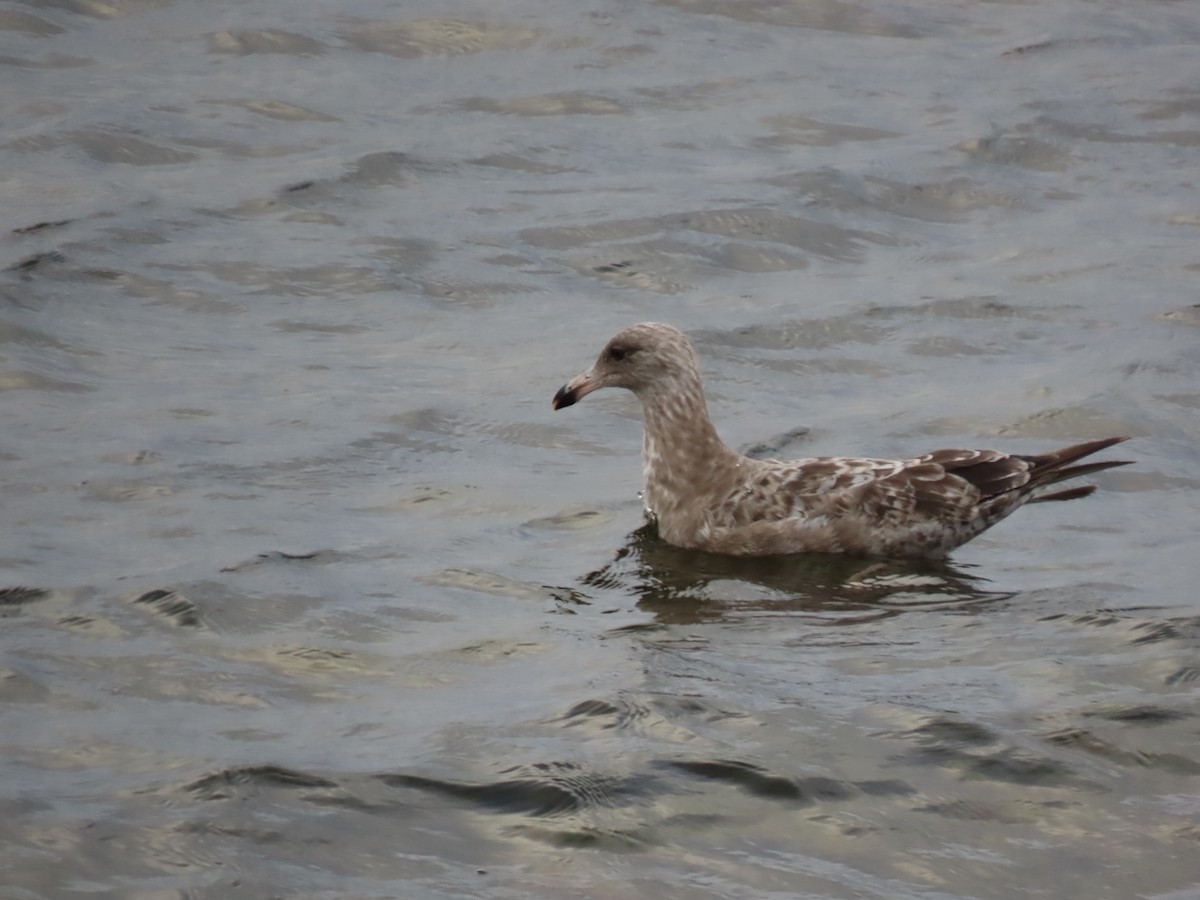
{"points": [[1051, 468], [1056, 475], [1063, 456], [1084, 490]]}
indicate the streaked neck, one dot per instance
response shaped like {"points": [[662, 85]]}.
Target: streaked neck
{"points": [[681, 451]]}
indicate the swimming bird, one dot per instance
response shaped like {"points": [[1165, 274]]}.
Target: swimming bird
{"points": [[705, 496]]}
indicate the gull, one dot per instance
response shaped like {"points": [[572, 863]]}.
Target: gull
{"points": [[704, 496]]}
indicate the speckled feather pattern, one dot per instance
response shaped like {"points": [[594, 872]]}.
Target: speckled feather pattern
{"points": [[708, 497]]}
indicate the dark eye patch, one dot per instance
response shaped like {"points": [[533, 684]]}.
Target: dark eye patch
{"points": [[619, 352]]}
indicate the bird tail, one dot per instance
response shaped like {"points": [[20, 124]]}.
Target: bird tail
{"points": [[1051, 468], [1074, 493]]}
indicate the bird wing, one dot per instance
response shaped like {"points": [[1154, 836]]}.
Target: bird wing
{"points": [[945, 486], [920, 506], [923, 506]]}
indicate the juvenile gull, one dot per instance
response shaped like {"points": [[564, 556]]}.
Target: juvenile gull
{"points": [[706, 496]]}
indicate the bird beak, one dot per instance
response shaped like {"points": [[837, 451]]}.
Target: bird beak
{"points": [[575, 390]]}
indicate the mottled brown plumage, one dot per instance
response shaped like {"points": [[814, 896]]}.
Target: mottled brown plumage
{"points": [[708, 497]]}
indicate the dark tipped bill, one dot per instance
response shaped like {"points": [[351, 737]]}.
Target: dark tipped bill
{"points": [[565, 397], [574, 390]]}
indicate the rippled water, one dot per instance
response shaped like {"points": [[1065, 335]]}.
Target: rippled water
{"points": [[309, 594]]}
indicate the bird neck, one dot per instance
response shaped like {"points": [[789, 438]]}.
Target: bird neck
{"points": [[682, 450]]}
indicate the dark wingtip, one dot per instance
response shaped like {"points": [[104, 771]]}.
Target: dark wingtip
{"points": [[564, 398]]}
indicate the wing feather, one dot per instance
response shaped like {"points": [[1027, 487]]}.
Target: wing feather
{"points": [[926, 505]]}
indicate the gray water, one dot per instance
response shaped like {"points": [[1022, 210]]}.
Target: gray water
{"points": [[310, 594]]}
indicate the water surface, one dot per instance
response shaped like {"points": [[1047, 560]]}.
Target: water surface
{"points": [[307, 593]]}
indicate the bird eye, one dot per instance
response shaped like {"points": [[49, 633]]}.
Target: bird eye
{"points": [[617, 353]]}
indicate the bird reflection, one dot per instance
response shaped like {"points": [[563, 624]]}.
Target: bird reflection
{"points": [[683, 587]]}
